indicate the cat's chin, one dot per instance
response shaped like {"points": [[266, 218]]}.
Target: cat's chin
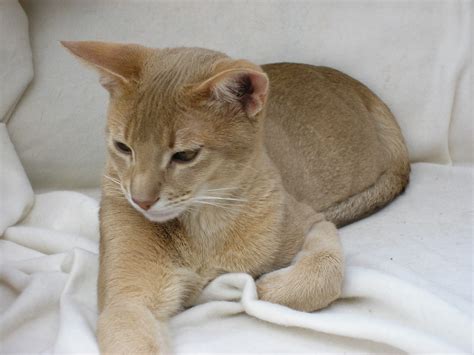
{"points": [[161, 217]]}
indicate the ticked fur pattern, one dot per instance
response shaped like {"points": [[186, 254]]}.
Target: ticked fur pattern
{"points": [[217, 165]]}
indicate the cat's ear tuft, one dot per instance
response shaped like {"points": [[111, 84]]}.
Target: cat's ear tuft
{"points": [[118, 64], [245, 85]]}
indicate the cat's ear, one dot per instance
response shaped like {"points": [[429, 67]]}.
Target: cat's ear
{"points": [[244, 84], [118, 64]]}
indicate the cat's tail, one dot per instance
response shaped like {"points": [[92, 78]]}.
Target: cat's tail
{"points": [[390, 183]]}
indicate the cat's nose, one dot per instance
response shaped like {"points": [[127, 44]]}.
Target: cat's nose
{"points": [[145, 204]]}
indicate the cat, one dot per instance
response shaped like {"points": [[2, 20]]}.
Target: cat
{"points": [[219, 165]]}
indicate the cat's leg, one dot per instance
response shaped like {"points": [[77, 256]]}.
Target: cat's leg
{"points": [[131, 328], [314, 278], [139, 285], [140, 291]]}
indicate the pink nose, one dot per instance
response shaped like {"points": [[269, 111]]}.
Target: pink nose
{"points": [[145, 204]]}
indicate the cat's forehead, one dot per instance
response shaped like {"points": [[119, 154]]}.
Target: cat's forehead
{"points": [[154, 126], [156, 110], [162, 122], [168, 69]]}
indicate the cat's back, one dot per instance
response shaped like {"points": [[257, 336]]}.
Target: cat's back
{"points": [[324, 132]]}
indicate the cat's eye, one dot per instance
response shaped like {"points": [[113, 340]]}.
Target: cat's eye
{"points": [[122, 148], [185, 156]]}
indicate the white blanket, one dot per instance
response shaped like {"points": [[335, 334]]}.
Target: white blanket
{"points": [[407, 286]]}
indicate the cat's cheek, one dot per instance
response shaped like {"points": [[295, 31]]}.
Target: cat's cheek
{"points": [[185, 176], [122, 170]]}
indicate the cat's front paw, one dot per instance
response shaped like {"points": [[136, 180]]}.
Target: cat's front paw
{"points": [[131, 330], [310, 284], [273, 287], [127, 348]]}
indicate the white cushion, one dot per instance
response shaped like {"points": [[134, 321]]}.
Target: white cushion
{"points": [[413, 54], [16, 71], [16, 194], [16, 67]]}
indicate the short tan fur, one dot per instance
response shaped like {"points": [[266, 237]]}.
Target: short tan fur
{"points": [[218, 165]]}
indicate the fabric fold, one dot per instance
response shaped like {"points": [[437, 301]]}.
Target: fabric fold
{"points": [[16, 193], [49, 273]]}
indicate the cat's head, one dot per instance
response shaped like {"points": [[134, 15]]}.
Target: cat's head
{"points": [[183, 123]]}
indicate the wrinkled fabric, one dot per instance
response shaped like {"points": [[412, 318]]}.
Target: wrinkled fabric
{"points": [[16, 194], [407, 285]]}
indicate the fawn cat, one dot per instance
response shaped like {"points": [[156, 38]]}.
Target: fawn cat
{"points": [[218, 165]]}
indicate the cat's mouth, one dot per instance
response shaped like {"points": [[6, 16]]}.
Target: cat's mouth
{"points": [[159, 212], [163, 215]]}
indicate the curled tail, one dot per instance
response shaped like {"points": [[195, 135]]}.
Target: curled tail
{"points": [[389, 184]]}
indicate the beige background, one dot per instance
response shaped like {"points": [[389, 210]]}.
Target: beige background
{"points": [[413, 54]]}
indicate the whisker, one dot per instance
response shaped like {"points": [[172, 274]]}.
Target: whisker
{"points": [[119, 192], [115, 192], [112, 179], [114, 188], [220, 204], [226, 207], [223, 188], [212, 204], [219, 198], [221, 194], [191, 209]]}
